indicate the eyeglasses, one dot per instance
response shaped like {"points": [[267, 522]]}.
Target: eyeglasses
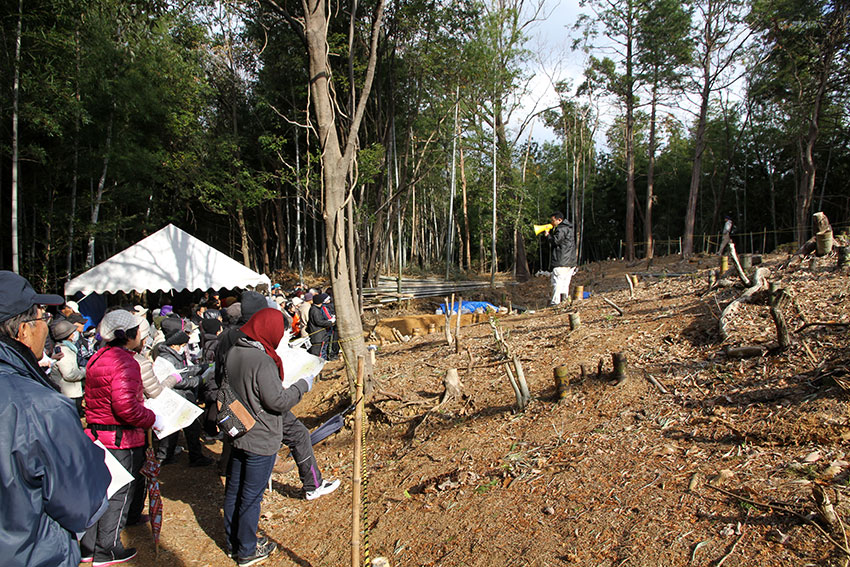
{"points": [[46, 317]]}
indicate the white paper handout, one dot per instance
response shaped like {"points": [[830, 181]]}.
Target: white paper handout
{"points": [[298, 364], [174, 411], [120, 475]]}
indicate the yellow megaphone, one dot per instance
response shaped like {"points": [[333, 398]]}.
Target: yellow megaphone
{"points": [[538, 228]]}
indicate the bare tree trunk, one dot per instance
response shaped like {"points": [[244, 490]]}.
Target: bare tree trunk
{"points": [[336, 163], [264, 239], [16, 89], [100, 186], [243, 233], [467, 239], [650, 173]]}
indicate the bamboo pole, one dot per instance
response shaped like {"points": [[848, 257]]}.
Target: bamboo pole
{"points": [[356, 478]]}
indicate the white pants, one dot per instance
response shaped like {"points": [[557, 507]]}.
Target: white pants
{"points": [[561, 278]]}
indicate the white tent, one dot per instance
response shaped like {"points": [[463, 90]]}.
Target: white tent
{"points": [[169, 259]]}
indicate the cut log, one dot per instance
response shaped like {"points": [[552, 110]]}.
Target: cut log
{"points": [[760, 279], [578, 293], [743, 352]]}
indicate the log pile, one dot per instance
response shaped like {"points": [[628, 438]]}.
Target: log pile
{"points": [[388, 290]]}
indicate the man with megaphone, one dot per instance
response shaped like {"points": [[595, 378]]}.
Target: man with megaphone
{"points": [[563, 249]]}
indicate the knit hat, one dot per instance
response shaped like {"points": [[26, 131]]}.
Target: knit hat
{"points": [[319, 299], [308, 297], [116, 323], [211, 326], [166, 310], [252, 302], [62, 329], [173, 329]]}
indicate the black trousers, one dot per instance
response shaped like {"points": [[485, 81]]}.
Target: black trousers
{"points": [[296, 436], [103, 539]]}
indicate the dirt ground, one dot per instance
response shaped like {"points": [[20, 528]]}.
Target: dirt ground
{"points": [[719, 470]]}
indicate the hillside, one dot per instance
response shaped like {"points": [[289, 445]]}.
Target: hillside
{"points": [[718, 470]]}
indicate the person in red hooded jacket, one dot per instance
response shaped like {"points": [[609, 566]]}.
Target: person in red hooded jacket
{"points": [[116, 416]]}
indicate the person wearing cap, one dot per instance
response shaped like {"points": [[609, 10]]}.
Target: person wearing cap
{"points": [[319, 326], [117, 417], [67, 371], [54, 478]]}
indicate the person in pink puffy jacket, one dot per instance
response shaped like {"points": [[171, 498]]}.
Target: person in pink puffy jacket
{"points": [[117, 417]]}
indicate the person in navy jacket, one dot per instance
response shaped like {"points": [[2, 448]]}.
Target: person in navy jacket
{"points": [[54, 478]]}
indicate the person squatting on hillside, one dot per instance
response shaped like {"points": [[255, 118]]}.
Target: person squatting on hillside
{"points": [[53, 477], [117, 417], [255, 373], [563, 249]]}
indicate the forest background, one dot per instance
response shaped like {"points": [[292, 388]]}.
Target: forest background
{"points": [[119, 117]]}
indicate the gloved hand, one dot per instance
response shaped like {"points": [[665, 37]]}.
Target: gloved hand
{"points": [[309, 381]]}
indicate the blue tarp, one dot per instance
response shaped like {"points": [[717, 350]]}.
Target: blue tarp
{"points": [[468, 307]]}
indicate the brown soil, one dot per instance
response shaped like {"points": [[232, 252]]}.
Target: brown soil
{"points": [[719, 470]]}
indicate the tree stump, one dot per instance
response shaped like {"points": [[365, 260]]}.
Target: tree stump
{"points": [[620, 367], [578, 293], [724, 264], [779, 299], [562, 380], [453, 389], [575, 321], [824, 242], [843, 257]]}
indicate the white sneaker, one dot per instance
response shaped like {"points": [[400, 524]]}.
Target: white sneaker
{"points": [[327, 487]]}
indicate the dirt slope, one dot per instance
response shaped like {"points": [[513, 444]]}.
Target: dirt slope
{"points": [[610, 476]]}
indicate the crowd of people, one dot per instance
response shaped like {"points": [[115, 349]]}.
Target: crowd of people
{"points": [[66, 382]]}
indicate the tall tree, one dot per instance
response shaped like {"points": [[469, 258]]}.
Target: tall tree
{"points": [[719, 43], [806, 45], [665, 49]]}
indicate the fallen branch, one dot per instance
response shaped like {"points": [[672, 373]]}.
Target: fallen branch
{"points": [[794, 513], [821, 324], [614, 305], [760, 283], [656, 383]]}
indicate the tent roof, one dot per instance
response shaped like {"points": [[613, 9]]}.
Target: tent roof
{"points": [[169, 259]]}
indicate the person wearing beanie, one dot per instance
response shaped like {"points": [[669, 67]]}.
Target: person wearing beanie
{"points": [[319, 324], [116, 416], [68, 373], [171, 364]]}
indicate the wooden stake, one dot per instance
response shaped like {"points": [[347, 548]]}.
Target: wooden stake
{"points": [[356, 478], [457, 327]]}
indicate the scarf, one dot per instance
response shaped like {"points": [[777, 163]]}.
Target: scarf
{"points": [[267, 327]]}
